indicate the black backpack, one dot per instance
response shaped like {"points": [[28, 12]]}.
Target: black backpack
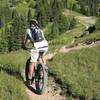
{"points": [[37, 34]]}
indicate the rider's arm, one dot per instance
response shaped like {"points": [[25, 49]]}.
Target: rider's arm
{"points": [[43, 34], [25, 40]]}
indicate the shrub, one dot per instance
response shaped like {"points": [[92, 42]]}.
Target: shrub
{"points": [[98, 24]]}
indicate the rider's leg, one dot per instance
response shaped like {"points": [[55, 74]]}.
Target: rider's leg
{"points": [[33, 61], [44, 58], [31, 69]]}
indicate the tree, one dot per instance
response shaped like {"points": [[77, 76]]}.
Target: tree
{"points": [[29, 17], [2, 20], [71, 3], [41, 14], [98, 24], [64, 3], [47, 9], [89, 7], [7, 13], [56, 7], [14, 2], [14, 13], [18, 28]]}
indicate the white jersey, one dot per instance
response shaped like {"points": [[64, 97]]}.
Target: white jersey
{"points": [[43, 45]]}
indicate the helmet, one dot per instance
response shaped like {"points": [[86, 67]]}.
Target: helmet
{"points": [[34, 22]]}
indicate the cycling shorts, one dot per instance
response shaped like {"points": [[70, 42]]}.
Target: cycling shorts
{"points": [[38, 46]]}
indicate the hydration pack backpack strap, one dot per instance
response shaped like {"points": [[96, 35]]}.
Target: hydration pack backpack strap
{"points": [[37, 34]]}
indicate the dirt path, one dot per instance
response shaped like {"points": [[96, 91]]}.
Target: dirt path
{"points": [[64, 49], [86, 21], [53, 92], [80, 46]]}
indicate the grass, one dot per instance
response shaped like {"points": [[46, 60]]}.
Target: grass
{"points": [[69, 12], [91, 37], [79, 71], [11, 88], [16, 59]]}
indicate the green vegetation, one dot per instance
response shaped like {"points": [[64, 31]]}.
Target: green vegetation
{"points": [[79, 71], [15, 59], [88, 38], [87, 7], [20, 12], [22, 8], [98, 24], [14, 15], [11, 88], [67, 38]]}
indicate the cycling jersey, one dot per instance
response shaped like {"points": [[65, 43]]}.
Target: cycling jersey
{"points": [[37, 46]]}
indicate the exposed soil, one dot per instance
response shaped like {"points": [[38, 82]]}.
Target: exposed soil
{"points": [[79, 46], [53, 92]]}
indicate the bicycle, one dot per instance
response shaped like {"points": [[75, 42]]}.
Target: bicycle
{"points": [[40, 75]]}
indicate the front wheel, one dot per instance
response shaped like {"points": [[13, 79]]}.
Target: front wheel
{"points": [[41, 78]]}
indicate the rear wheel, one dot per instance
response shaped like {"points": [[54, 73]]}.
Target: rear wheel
{"points": [[41, 78]]}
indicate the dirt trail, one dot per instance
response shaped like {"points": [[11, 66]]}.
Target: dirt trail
{"points": [[80, 46], [53, 92], [86, 21], [64, 49]]}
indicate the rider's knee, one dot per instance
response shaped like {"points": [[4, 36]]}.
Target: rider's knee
{"points": [[44, 57], [32, 63]]}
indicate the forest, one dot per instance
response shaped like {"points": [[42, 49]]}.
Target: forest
{"points": [[72, 29], [14, 18]]}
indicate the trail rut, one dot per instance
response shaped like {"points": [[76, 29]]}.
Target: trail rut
{"points": [[53, 92]]}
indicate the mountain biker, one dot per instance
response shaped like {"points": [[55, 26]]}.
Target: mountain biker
{"points": [[39, 43]]}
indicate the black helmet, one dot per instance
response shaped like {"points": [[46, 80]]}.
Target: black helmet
{"points": [[34, 22]]}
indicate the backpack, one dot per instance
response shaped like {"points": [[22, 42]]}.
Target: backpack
{"points": [[37, 34]]}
